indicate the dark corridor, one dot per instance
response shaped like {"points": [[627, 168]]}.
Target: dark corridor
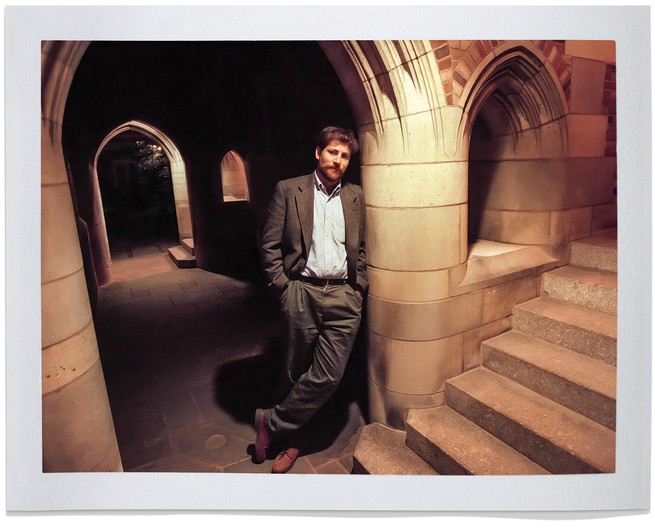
{"points": [[188, 354]]}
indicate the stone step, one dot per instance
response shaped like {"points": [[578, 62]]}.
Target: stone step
{"points": [[578, 328], [583, 384], [553, 436], [454, 445], [596, 252], [181, 257], [188, 245], [381, 450], [591, 288]]}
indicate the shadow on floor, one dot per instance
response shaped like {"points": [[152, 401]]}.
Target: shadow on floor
{"points": [[188, 356]]}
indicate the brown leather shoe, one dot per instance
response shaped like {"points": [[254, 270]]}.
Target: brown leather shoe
{"points": [[262, 441], [285, 460]]}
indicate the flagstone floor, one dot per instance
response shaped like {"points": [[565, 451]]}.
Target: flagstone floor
{"points": [[188, 356]]}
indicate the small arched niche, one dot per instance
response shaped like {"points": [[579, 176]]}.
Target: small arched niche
{"points": [[517, 135], [234, 178]]}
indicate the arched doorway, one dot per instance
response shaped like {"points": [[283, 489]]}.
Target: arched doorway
{"points": [[177, 173], [137, 192], [177, 169]]}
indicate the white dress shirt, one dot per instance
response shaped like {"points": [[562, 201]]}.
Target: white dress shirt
{"points": [[327, 255]]}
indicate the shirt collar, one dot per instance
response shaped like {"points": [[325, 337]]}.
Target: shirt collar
{"points": [[321, 187]]}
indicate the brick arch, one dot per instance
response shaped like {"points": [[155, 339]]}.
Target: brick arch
{"points": [[458, 60]]}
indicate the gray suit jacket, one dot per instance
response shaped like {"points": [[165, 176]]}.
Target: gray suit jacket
{"points": [[287, 235]]}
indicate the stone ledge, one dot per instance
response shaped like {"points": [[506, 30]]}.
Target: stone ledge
{"points": [[492, 263]]}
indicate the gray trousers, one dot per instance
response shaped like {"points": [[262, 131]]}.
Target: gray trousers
{"points": [[323, 324]]}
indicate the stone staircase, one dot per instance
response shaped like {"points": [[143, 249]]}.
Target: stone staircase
{"points": [[183, 255], [544, 398]]}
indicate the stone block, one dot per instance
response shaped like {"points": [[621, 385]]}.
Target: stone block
{"points": [[390, 408], [451, 133], [411, 367], [594, 289], [416, 239], [595, 253], [415, 185], [189, 245], [473, 339], [499, 300], [60, 244], [526, 228], [541, 184], [568, 225], [369, 145], [491, 263], [463, 233], [555, 437], [78, 431], [382, 451], [65, 361], [587, 135], [604, 216], [415, 99], [53, 167], [576, 381], [403, 286], [599, 50], [592, 333], [182, 258], [587, 86], [453, 445], [65, 308], [425, 321], [419, 133]]}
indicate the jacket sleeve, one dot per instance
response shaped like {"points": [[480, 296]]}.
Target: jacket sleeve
{"points": [[362, 276], [272, 240]]}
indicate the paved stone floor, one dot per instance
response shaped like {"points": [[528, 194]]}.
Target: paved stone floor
{"points": [[188, 356]]}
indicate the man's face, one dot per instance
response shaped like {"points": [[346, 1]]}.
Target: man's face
{"points": [[333, 161]]}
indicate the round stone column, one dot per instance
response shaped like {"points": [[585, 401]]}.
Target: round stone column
{"points": [[78, 431], [416, 198]]}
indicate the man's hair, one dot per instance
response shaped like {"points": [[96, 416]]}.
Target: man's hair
{"points": [[345, 136]]}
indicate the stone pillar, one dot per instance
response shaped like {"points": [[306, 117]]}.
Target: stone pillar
{"points": [[415, 183], [181, 196], [78, 432], [98, 233]]}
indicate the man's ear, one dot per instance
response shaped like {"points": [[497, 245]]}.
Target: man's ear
{"points": [[318, 152]]}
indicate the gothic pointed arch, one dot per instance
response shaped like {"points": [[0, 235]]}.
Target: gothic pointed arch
{"points": [[178, 172], [234, 178]]}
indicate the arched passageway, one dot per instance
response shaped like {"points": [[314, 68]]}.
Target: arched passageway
{"points": [[137, 192], [170, 192], [417, 106], [260, 114]]}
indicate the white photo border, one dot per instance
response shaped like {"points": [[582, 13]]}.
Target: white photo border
{"points": [[28, 489]]}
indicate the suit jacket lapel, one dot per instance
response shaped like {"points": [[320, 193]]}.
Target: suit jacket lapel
{"points": [[350, 205], [305, 207]]}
